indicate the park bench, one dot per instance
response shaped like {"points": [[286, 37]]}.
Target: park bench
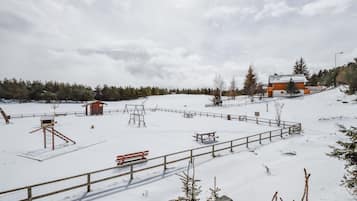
{"points": [[206, 137], [132, 157]]}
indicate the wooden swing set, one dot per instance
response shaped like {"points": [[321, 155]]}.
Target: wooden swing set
{"points": [[47, 125], [136, 108]]}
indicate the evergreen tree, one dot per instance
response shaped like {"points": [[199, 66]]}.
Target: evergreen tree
{"points": [[232, 89], [351, 76], [250, 82], [301, 68], [214, 192], [291, 88], [190, 187], [348, 152]]}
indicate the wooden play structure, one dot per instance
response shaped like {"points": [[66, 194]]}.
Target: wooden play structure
{"points": [[207, 137], [5, 116], [137, 115], [132, 157], [135, 108], [49, 132], [94, 108], [137, 118]]}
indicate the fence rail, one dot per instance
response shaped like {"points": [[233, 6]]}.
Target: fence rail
{"points": [[257, 120]]}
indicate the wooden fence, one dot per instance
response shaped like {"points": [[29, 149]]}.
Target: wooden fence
{"points": [[161, 161], [90, 178], [256, 120]]}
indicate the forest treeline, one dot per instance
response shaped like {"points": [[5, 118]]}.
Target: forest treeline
{"points": [[36, 90], [346, 74]]}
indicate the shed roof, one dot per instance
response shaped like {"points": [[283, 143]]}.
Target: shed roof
{"points": [[95, 101], [287, 78]]}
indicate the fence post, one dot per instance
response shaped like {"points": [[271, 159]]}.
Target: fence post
{"points": [[131, 172], [270, 136], [260, 138], [289, 130], [232, 146], [247, 142], [213, 151], [88, 182], [281, 133], [191, 155], [269, 122], [165, 160], [29, 193]]}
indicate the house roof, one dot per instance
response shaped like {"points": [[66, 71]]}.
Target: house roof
{"points": [[287, 78]]}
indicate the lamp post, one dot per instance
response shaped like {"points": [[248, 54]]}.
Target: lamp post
{"points": [[335, 74], [336, 56]]}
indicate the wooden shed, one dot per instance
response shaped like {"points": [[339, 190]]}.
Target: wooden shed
{"points": [[94, 107]]}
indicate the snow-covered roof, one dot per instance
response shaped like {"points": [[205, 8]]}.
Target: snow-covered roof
{"points": [[287, 78], [47, 118], [91, 102]]}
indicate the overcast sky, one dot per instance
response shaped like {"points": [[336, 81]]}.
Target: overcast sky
{"points": [[171, 43]]}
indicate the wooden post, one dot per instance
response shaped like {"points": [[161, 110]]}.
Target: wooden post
{"points": [[269, 122], [44, 137], [131, 172], [53, 138], [260, 138], [289, 130], [213, 151], [247, 142], [88, 182], [232, 146], [165, 161], [191, 155], [29, 194], [281, 133], [270, 136]]}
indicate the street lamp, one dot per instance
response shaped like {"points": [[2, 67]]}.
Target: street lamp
{"points": [[335, 74], [336, 56]]}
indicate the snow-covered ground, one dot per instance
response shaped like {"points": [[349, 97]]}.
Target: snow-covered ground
{"points": [[241, 175]]}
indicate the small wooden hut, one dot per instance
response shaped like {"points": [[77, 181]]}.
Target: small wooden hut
{"points": [[94, 107]]}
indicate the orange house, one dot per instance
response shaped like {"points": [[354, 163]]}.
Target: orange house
{"points": [[278, 83]]}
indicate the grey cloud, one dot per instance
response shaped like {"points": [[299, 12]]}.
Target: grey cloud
{"points": [[12, 22], [170, 43]]}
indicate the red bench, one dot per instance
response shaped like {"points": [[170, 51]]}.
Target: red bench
{"points": [[138, 156]]}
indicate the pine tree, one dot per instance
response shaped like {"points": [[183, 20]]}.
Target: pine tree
{"points": [[250, 82], [291, 88], [301, 68], [232, 89], [214, 192], [190, 187], [348, 152]]}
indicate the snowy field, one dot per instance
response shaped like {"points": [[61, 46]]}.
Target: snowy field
{"points": [[241, 175]]}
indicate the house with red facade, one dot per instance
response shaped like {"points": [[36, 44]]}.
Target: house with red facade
{"points": [[278, 84]]}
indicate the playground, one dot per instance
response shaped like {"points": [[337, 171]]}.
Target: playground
{"points": [[100, 139], [91, 169]]}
